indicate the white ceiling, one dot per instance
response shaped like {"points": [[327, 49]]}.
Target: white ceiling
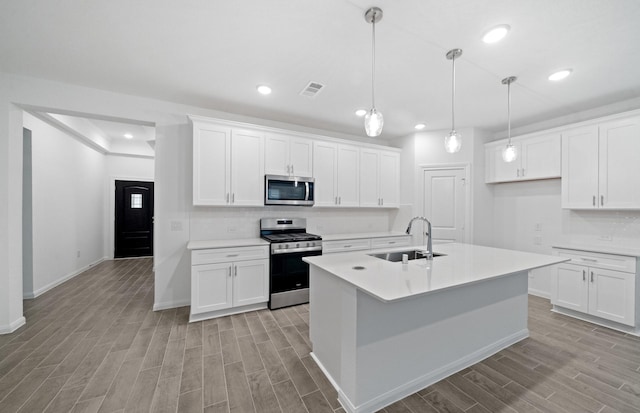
{"points": [[213, 53]]}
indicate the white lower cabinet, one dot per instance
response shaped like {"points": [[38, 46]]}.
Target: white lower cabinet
{"points": [[228, 280], [588, 285]]}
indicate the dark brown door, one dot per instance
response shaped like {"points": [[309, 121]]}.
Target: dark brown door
{"points": [[134, 219]]}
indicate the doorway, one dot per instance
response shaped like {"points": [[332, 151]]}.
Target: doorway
{"points": [[445, 202], [133, 219]]}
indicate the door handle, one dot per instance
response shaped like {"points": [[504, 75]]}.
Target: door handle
{"points": [[339, 200], [235, 270], [227, 197], [601, 200], [594, 200], [584, 275], [336, 202], [233, 198], [591, 276], [230, 271]]}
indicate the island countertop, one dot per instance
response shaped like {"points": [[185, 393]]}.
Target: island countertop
{"points": [[463, 264]]}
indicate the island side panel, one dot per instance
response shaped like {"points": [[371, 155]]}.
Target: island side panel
{"points": [[407, 345]]}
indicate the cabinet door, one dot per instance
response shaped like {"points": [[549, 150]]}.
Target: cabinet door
{"points": [[611, 295], [570, 287], [247, 168], [506, 171], [620, 164], [211, 164], [389, 179], [580, 168], [276, 154], [541, 157], [301, 156], [369, 178], [210, 287], [250, 282], [348, 182], [325, 158]]}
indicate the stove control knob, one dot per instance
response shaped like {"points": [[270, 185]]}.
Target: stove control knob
{"points": [[286, 246], [297, 245], [309, 244]]}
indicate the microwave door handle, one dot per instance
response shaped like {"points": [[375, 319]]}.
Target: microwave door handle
{"points": [[306, 191]]}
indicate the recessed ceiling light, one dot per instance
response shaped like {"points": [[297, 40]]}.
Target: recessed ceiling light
{"points": [[496, 34], [263, 89], [420, 126], [128, 136], [560, 74], [361, 112]]}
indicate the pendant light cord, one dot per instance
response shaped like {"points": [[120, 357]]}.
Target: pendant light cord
{"points": [[509, 111], [453, 94], [373, 62]]}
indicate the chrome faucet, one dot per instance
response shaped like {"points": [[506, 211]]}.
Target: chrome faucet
{"points": [[429, 252]]}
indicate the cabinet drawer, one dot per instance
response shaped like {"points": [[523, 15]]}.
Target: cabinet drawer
{"points": [[598, 260], [390, 242], [215, 255], [345, 245]]}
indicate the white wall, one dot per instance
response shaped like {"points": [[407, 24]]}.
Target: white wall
{"points": [[68, 208]]}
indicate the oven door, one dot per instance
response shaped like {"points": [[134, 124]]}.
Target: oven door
{"points": [[289, 272], [288, 190]]}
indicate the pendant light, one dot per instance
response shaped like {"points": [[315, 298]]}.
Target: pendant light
{"points": [[453, 141], [509, 153], [373, 120]]}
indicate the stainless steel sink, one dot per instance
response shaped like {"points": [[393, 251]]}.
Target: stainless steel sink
{"points": [[411, 254]]}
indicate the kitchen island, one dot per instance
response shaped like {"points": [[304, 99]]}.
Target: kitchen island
{"points": [[383, 330]]}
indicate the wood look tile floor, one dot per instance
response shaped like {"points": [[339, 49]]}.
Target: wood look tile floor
{"points": [[93, 344]]}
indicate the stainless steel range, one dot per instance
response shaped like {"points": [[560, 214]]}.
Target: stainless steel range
{"points": [[288, 274]]}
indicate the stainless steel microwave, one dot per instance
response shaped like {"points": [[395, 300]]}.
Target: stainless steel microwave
{"points": [[288, 190]]}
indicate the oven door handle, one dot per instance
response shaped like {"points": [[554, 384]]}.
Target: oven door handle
{"points": [[306, 191]]}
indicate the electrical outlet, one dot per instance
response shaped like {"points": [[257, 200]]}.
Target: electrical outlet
{"points": [[537, 227], [537, 240]]}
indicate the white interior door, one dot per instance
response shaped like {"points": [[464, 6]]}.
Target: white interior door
{"points": [[445, 202]]}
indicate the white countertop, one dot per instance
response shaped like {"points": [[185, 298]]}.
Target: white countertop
{"points": [[463, 264], [609, 249], [338, 237], [226, 243]]}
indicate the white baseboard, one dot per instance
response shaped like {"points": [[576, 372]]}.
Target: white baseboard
{"points": [[597, 320], [426, 380], [540, 293], [8, 329], [33, 294], [170, 304]]}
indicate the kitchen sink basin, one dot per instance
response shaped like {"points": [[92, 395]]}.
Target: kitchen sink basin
{"points": [[397, 256]]}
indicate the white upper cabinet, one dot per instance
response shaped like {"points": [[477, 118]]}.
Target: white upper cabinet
{"points": [[538, 158], [379, 178], [336, 171], [601, 166], [288, 155], [228, 165]]}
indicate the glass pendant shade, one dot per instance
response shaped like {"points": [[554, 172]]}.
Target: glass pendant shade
{"points": [[373, 122], [509, 153], [453, 142]]}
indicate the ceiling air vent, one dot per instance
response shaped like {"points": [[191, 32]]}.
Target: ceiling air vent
{"points": [[312, 89]]}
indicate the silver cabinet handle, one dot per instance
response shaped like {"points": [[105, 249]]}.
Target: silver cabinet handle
{"points": [[230, 271], [235, 270], [336, 202], [339, 200], [594, 200], [381, 201], [392, 242], [601, 200], [591, 276], [292, 173], [347, 246], [589, 259], [227, 197], [584, 275], [232, 255], [233, 198]]}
